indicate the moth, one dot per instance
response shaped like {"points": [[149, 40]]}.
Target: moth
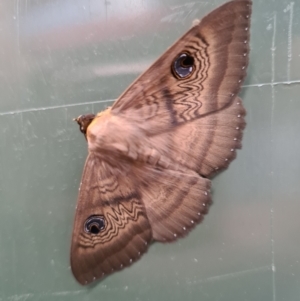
{"points": [[152, 154]]}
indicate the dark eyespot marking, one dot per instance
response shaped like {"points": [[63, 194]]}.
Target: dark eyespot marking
{"points": [[183, 66], [94, 224]]}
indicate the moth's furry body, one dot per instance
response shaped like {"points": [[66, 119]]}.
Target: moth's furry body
{"points": [[152, 153], [116, 135]]}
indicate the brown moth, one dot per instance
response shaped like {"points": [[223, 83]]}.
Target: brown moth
{"points": [[146, 177]]}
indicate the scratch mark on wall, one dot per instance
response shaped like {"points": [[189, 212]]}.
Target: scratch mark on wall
{"points": [[63, 106], [291, 82], [42, 74], [290, 9], [22, 127], [68, 293], [273, 50], [106, 3], [22, 297], [181, 13], [234, 274], [17, 18], [25, 297], [109, 101]]}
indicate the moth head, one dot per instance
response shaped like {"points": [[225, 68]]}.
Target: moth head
{"points": [[84, 121], [183, 66], [94, 224]]}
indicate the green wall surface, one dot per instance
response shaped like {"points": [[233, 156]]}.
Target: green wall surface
{"points": [[63, 58]]}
